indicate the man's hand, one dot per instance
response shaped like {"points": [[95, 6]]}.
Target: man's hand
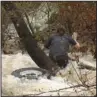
{"points": [[71, 58], [77, 45]]}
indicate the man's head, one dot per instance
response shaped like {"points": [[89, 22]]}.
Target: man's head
{"points": [[60, 31]]}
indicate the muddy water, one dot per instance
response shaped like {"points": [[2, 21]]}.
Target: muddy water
{"points": [[13, 86]]}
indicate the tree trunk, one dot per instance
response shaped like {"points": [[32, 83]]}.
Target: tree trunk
{"points": [[48, 16], [33, 50], [69, 26]]}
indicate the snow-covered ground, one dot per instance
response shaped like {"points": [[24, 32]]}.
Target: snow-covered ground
{"points": [[14, 86]]}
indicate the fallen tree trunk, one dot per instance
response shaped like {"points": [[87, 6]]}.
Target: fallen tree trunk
{"points": [[30, 43], [87, 65]]}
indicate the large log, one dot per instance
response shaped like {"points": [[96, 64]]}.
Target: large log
{"points": [[85, 64], [30, 43]]}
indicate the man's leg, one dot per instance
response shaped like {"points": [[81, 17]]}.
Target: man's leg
{"points": [[62, 61], [51, 57], [66, 61]]}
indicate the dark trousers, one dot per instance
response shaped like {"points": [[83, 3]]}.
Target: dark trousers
{"points": [[61, 60]]}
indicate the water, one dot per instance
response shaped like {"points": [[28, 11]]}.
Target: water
{"points": [[13, 86]]}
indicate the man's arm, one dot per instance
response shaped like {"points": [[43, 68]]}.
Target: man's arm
{"points": [[48, 43], [77, 45], [74, 42]]}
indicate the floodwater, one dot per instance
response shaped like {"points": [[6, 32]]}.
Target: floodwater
{"points": [[13, 86]]}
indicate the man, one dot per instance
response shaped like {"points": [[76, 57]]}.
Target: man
{"points": [[59, 47]]}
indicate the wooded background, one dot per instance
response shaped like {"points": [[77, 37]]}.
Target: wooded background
{"points": [[77, 17]]}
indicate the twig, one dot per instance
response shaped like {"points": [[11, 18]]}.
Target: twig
{"points": [[81, 80], [57, 90]]}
